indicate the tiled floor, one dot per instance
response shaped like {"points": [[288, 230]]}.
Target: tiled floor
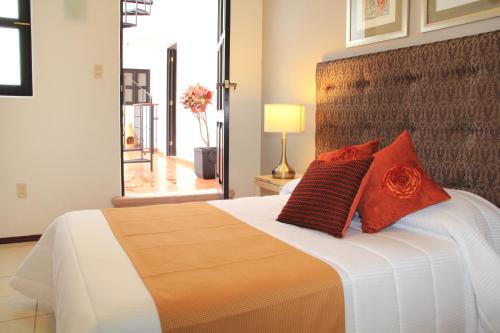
{"points": [[169, 175], [19, 314]]}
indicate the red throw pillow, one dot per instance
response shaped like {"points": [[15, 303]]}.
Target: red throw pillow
{"points": [[326, 197], [359, 152], [397, 185]]}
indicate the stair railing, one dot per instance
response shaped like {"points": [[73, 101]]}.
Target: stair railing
{"points": [[145, 9], [144, 91], [151, 119], [126, 12], [147, 6]]}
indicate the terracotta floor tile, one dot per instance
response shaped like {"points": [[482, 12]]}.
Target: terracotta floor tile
{"points": [[169, 175]]}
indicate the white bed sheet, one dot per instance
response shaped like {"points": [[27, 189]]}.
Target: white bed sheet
{"points": [[409, 278]]}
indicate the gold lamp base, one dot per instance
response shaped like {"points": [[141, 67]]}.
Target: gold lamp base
{"points": [[283, 170]]}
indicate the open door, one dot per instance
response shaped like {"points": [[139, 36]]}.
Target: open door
{"points": [[223, 86]]}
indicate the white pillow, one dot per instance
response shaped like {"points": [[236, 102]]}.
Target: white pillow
{"points": [[290, 186]]}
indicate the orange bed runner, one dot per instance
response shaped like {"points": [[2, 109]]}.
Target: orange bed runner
{"points": [[209, 272]]}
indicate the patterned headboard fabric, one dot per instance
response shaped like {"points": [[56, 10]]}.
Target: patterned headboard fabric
{"points": [[446, 93]]}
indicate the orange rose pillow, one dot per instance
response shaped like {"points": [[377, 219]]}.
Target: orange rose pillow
{"points": [[359, 152], [397, 186]]}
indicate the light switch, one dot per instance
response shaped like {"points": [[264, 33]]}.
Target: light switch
{"points": [[22, 190], [98, 71]]}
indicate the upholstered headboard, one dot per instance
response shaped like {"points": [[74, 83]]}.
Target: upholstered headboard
{"points": [[447, 94]]}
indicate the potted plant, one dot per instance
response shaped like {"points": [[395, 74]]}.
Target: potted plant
{"points": [[196, 98]]}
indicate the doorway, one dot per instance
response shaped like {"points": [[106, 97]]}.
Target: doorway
{"points": [[173, 132]]}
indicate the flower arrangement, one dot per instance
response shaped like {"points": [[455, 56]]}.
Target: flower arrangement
{"points": [[196, 98]]}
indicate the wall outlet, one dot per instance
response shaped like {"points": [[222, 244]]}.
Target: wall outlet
{"points": [[98, 71], [22, 190]]}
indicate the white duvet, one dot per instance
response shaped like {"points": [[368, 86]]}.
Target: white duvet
{"points": [[437, 270]]}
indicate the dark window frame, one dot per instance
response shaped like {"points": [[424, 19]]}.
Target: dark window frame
{"points": [[135, 89], [23, 25]]}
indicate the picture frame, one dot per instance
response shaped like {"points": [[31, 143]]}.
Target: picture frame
{"points": [[372, 21], [440, 14]]}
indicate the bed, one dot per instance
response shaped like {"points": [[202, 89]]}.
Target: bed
{"points": [[417, 270], [436, 270]]}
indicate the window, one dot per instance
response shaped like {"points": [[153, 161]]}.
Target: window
{"points": [[136, 85], [15, 38]]}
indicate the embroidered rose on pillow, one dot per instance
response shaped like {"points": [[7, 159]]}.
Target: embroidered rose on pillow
{"points": [[402, 181], [350, 153], [346, 154]]}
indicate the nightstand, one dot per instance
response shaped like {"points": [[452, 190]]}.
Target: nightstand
{"points": [[267, 185]]}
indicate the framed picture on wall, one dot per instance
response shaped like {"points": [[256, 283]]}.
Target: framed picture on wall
{"points": [[371, 21], [439, 14]]}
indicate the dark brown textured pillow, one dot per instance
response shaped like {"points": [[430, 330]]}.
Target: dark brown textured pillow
{"points": [[324, 199]]}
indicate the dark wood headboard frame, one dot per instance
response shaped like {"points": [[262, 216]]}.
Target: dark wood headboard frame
{"points": [[446, 93]]}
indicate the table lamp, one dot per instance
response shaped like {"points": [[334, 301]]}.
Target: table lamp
{"points": [[283, 118]]}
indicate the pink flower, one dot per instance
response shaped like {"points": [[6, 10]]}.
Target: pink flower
{"points": [[196, 98]]}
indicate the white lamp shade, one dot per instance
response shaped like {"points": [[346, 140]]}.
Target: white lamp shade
{"points": [[283, 118]]}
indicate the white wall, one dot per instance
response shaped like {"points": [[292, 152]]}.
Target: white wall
{"points": [[246, 103], [297, 35], [192, 24], [63, 142]]}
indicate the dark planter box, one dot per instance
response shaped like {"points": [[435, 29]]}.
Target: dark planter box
{"points": [[204, 162]]}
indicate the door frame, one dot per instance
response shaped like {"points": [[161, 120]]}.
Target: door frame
{"points": [[225, 138], [223, 98], [122, 99], [171, 101]]}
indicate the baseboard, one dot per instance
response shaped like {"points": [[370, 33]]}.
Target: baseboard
{"points": [[20, 239]]}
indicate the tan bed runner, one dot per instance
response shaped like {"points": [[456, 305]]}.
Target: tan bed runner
{"points": [[209, 272]]}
